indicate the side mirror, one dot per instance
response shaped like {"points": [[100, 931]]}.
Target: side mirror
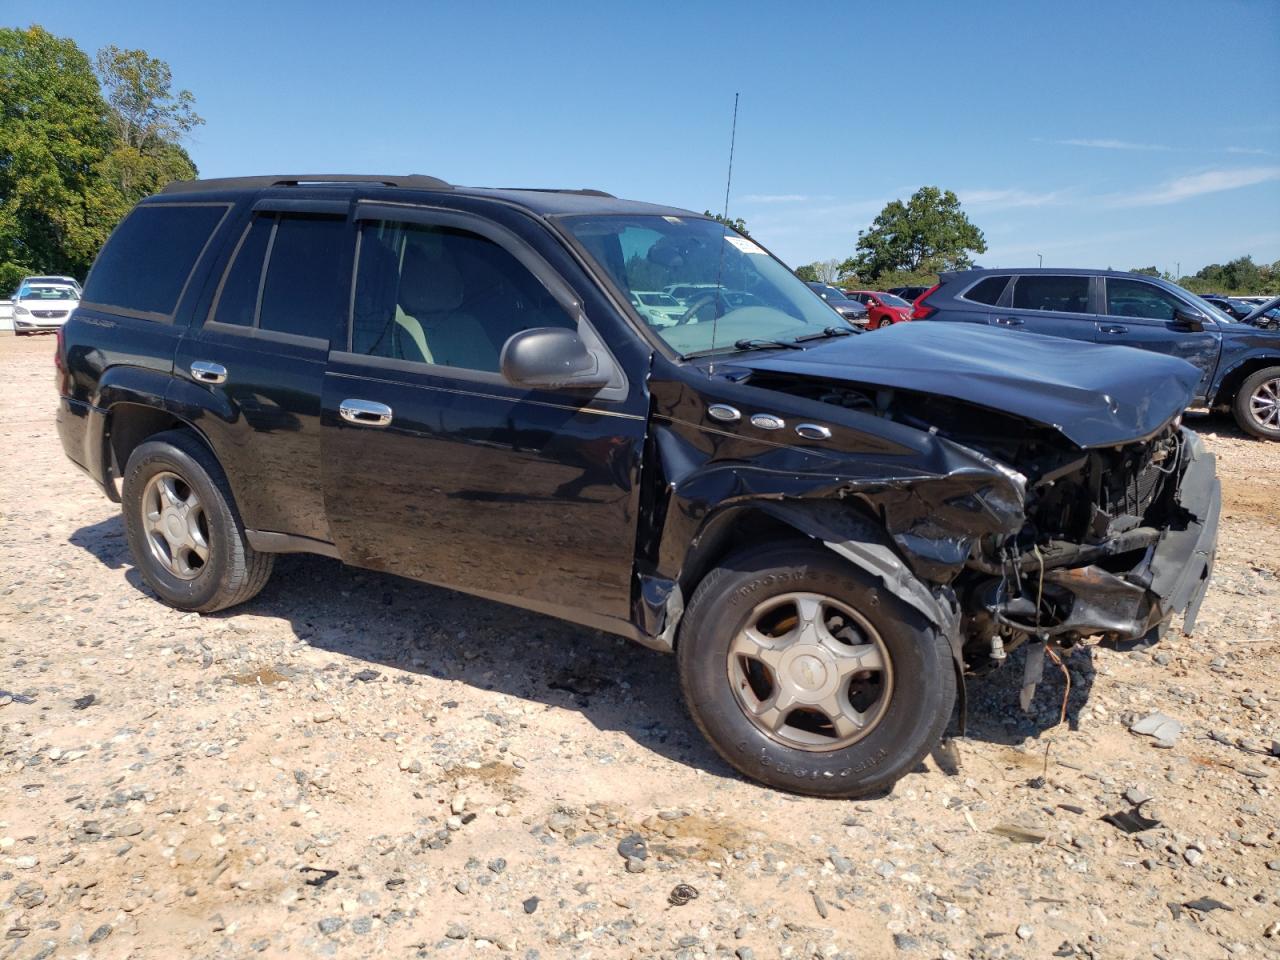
{"points": [[552, 358], [1184, 318]]}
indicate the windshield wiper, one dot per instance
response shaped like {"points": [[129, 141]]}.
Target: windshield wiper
{"points": [[824, 333], [761, 343]]}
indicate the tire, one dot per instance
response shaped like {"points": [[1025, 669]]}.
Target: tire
{"points": [[916, 695], [1257, 404], [231, 572]]}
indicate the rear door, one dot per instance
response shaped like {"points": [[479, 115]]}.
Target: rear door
{"points": [[437, 467], [1142, 314], [1056, 305], [253, 371]]}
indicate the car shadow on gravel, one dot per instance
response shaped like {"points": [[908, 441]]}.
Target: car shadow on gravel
{"points": [[995, 714], [387, 621]]}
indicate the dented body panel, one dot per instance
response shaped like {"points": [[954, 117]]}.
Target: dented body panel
{"points": [[919, 509]]}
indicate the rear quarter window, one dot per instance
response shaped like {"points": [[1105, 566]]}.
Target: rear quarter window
{"points": [[147, 261], [987, 290]]}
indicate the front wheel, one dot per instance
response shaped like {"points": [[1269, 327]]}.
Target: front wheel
{"points": [[805, 674], [1257, 404], [184, 531]]}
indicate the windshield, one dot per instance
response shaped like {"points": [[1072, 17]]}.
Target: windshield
{"points": [[726, 288], [889, 300], [47, 293]]}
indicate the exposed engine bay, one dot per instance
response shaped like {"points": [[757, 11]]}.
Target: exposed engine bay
{"points": [[1084, 561]]}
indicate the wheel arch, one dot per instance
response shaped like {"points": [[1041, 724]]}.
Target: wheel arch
{"points": [[841, 525], [128, 424], [1230, 382]]}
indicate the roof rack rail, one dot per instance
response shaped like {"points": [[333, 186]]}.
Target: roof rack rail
{"points": [[580, 191], [413, 181]]}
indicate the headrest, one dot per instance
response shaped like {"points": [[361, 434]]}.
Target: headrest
{"points": [[429, 282]]}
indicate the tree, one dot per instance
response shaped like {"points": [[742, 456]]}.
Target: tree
{"points": [[72, 164], [828, 271], [54, 137], [928, 233], [150, 121], [807, 273], [739, 224]]}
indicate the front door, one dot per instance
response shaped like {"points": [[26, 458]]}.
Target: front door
{"points": [[1141, 314], [438, 468]]}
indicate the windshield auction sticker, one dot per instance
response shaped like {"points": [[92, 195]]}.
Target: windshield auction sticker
{"points": [[746, 246]]}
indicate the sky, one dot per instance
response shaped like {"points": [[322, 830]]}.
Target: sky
{"points": [[1095, 134]]}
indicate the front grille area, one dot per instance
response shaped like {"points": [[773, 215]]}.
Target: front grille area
{"points": [[48, 314], [1135, 480]]}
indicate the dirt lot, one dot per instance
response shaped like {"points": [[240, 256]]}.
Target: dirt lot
{"points": [[354, 764]]}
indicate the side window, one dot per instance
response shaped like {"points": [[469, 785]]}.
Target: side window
{"points": [[145, 265], [237, 301], [443, 296], [988, 290], [1060, 294], [1133, 298], [302, 290]]}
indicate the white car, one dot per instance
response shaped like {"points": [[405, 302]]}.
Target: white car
{"points": [[69, 281], [43, 306], [662, 308]]}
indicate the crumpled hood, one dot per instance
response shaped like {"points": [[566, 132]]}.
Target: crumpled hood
{"points": [[1095, 395]]}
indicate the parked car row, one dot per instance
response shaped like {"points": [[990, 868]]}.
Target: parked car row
{"points": [[486, 389]]}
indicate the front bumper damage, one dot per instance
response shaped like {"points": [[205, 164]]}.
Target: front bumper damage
{"points": [[1171, 578]]}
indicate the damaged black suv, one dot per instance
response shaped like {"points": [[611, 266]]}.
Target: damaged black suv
{"points": [[630, 417]]}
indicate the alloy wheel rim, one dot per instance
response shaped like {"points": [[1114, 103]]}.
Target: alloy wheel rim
{"points": [[1264, 404], [176, 525], [810, 672]]}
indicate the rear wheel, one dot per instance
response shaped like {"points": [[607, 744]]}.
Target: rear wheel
{"points": [[806, 675], [184, 531], [1257, 404]]}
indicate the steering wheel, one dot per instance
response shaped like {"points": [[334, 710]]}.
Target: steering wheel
{"points": [[698, 304]]}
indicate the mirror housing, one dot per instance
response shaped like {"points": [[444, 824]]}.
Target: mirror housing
{"points": [[1184, 318], [552, 358]]}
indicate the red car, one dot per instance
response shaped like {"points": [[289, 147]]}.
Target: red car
{"points": [[882, 308]]}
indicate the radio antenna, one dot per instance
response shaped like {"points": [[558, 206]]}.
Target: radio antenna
{"points": [[724, 231]]}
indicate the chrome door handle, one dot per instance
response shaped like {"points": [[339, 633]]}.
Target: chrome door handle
{"points": [[207, 372], [366, 413], [1009, 321], [1115, 329]]}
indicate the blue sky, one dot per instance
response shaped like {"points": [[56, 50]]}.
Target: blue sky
{"points": [[1097, 134]]}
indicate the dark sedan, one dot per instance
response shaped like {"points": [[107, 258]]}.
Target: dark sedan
{"points": [[851, 310]]}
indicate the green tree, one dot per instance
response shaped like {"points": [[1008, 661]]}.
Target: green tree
{"points": [[72, 163], [55, 135], [739, 224], [808, 273], [150, 122], [927, 233]]}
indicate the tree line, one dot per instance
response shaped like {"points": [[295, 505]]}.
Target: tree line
{"points": [[1240, 276], [81, 141]]}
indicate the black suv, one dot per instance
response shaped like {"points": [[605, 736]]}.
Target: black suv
{"points": [[1239, 362], [457, 385]]}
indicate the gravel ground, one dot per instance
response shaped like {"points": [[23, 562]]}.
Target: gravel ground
{"points": [[353, 764]]}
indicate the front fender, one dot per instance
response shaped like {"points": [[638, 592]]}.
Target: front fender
{"points": [[1259, 348]]}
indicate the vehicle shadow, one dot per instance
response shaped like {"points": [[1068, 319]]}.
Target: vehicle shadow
{"points": [[995, 714], [384, 620]]}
